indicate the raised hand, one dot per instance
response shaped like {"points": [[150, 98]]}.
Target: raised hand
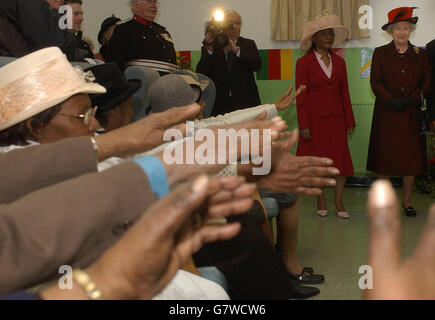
{"points": [[145, 134], [147, 257], [394, 278], [287, 98], [303, 175]]}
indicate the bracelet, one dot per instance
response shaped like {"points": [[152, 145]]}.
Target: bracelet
{"points": [[85, 281], [95, 147]]}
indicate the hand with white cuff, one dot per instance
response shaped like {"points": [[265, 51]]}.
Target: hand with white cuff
{"points": [[145, 134]]}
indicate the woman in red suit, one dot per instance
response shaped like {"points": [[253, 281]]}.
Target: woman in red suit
{"points": [[400, 76], [324, 109]]}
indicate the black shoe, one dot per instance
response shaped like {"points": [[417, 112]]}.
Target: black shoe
{"points": [[410, 211], [308, 270], [307, 277], [303, 292]]}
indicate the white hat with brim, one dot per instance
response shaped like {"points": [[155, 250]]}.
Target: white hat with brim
{"points": [[323, 22], [39, 81]]}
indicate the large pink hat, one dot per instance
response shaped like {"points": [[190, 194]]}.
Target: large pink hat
{"points": [[323, 22]]}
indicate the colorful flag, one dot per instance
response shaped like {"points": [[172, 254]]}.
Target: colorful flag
{"points": [[276, 65], [184, 59]]}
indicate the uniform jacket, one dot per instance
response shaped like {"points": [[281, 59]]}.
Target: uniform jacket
{"points": [[56, 210], [431, 97], [323, 96], [136, 40], [236, 76]]}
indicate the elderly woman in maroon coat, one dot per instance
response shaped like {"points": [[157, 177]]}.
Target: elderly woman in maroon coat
{"points": [[400, 75]]}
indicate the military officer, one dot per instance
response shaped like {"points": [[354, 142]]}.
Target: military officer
{"points": [[141, 41]]}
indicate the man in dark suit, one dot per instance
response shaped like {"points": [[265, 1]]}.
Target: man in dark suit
{"points": [[83, 47], [431, 98], [232, 69]]}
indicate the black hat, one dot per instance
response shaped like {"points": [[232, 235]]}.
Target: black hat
{"points": [[118, 87], [107, 23]]}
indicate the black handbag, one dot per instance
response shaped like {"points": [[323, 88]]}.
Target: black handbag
{"points": [[423, 118]]}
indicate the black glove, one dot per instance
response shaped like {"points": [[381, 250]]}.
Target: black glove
{"points": [[401, 104]]}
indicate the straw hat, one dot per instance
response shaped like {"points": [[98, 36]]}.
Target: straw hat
{"points": [[37, 82], [323, 22]]}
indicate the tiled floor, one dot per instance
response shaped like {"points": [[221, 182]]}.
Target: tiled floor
{"points": [[337, 248]]}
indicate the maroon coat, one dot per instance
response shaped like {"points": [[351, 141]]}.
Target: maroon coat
{"points": [[396, 148], [325, 108]]}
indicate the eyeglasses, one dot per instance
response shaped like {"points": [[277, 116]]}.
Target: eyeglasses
{"points": [[155, 2], [86, 117]]}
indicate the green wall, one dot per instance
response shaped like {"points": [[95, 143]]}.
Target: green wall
{"points": [[361, 96]]}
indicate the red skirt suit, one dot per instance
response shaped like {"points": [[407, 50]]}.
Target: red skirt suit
{"points": [[325, 108]]}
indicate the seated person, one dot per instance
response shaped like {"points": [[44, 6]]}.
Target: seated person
{"points": [[15, 108], [55, 4], [22, 231], [44, 125], [173, 85], [115, 107], [181, 89], [106, 31], [12, 43], [83, 46], [287, 236]]}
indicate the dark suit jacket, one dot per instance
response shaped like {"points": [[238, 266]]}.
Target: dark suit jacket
{"points": [[12, 43], [323, 96], [54, 220], [236, 76], [39, 25], [431, 97]]}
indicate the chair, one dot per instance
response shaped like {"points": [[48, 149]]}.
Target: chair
{"points": [[272, 209]]}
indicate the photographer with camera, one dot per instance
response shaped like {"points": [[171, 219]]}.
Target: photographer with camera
{"points": [[230, 61]]}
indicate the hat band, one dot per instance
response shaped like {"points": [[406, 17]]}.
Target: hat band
{"points": [[159, 66]]}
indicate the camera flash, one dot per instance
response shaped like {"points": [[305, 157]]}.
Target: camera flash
{"points": [[218, 15]]}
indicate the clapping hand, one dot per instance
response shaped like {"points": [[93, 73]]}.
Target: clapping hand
{"points": [[287, 98]]}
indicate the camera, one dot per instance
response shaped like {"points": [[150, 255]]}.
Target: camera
{"points": [[218, 31]]}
